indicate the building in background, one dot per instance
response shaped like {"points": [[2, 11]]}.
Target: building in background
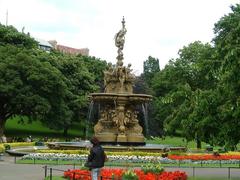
{"points": [[44, 45], [49, 45], [69, 50]]}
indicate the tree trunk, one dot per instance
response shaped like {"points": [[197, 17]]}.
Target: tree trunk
{"points": [[2, 128], [199, 144], [65, 132]]}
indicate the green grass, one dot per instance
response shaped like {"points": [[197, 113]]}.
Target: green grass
{"points": [[36, 129], [175, 141], [15, 129]]}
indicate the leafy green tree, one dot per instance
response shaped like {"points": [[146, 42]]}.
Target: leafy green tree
{"points": [[29, 87], [96, 67], [52, 87], [178, 84], [150, 67], [80, 83], [141, 87], [10, 35], [227, 43]]}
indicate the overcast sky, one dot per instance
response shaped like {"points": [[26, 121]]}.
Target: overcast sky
{"points": [[155, 28]]}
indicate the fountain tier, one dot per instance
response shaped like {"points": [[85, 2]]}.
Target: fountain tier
{"points": [[118, 123]]}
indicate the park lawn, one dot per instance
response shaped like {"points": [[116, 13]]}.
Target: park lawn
{"points": [[15, 129], [174, 141], [36, 129]]}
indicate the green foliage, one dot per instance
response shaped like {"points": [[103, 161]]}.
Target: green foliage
{"points": [[63, 151], [10, 35], [7, 146], [178, 86], [198, 93], [30, 87], [2, 148], [51, 87], [129, 175], [152, 168], [227, 42], [150, 67], [39, 143]]}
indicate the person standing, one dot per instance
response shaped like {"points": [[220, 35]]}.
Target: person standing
{"points": [[96, 158]]}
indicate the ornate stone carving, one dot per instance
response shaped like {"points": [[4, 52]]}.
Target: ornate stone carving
{"points": [[118, 120]]}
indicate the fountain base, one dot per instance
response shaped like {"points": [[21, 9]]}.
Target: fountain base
{"points": [[122, 139]]}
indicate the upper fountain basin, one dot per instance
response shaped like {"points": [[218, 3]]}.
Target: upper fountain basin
{"points": [[104, 97]]}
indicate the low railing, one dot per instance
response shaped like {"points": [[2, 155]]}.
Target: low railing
{"points": [[191, 171], [49, 172]]}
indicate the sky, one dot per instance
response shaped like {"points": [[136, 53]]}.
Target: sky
{"points": [[155, 28]]}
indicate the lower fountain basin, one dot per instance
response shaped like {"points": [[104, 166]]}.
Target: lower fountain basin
{"points": [[87, 144]]}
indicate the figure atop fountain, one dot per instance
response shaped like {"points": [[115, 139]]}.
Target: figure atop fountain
{"points": [[119, 42]]}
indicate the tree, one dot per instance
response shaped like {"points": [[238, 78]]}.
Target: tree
{"points": [[227, 43], [10, 35], [96, 67], [80, 83], [29, 87], [51, 87], [178, 85], [150, 67]]}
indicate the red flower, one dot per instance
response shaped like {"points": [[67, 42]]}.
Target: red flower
{"points": [[108, 173]]}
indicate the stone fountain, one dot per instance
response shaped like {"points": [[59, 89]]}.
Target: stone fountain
{"points": [[118, 125], [118, 122]]}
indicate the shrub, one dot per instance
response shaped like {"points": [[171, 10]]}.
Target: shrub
{"points": [[152, 168], [7, 146], [129, 175], [2, 148], [62, 151], [20, 144], [39, 143]]}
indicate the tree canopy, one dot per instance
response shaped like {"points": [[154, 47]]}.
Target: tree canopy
{"points": [[51, 87], [197, 94]]}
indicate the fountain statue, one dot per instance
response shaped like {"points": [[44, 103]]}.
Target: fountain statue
{"points": [[118, 122]]}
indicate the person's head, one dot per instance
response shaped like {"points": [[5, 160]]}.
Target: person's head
{"points": [[94, 140]]}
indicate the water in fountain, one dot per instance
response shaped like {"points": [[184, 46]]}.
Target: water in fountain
{"points": [[145, 117], [89, 118]]}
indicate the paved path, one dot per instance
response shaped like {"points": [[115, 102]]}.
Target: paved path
{"points": [[11, 171]]}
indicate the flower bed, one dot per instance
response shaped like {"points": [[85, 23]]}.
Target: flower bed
{"points": [[81, 174], [205, 157], [171, 159]]}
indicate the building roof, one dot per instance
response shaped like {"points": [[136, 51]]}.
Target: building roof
{"points": [[70, 50], [43, 42]]}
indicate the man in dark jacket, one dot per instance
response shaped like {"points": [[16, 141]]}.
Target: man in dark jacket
{"points": [[96, 158]]}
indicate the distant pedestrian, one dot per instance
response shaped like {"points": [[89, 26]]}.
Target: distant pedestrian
{"points": [[96, 158]]}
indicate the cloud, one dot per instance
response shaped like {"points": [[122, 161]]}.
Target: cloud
{"points": [[156, 28]]}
